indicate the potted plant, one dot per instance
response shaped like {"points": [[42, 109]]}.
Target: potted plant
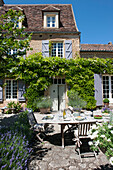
{"points": [[44, 104], [75, 100], [106, 102]]}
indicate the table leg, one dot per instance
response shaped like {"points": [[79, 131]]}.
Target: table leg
{"points": [[62, 134]]}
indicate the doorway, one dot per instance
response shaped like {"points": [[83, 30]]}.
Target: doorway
{"points": [[58, 95]]}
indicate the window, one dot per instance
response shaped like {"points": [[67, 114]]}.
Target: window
{"points": [[59, 81], [57, 49], [51, 20], [12, 52], [17, 22], [108, 87], [11, 89]]}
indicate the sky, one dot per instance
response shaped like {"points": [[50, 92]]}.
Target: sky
{"points": [[94, 18]]}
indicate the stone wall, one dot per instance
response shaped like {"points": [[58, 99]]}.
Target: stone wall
{"points": [[36, 42], [96, 54]]}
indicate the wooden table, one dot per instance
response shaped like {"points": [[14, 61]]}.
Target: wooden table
{"points": [[63, 123]]}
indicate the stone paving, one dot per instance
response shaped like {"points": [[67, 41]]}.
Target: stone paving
{"points": [[51, 156]]}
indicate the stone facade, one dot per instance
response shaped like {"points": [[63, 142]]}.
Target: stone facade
{"points": [[36, 42]]}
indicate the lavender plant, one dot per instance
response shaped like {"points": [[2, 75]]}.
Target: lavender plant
{"points": [[15, 149]]}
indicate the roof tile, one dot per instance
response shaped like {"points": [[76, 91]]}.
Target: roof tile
{"points": [[34, 17], [96, 47]]}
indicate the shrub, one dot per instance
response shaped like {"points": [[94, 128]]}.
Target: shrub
{"points": [[12, 105], [102, 136], [15, 147], [43, 102], [106, 100], [75, 100]]}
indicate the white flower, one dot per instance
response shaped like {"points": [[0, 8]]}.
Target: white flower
{"points": [[109, 126], [103, 136], [109, 140], [96, 143], [90, 143], [112, 131], [93, 127], [111, 160], [93, 136], [90, 131]]}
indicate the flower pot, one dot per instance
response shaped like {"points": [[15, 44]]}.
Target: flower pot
{"points": [[44, 110], [106, 105]]}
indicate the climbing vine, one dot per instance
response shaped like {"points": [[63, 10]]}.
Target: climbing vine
{"points": [[38, 73]]}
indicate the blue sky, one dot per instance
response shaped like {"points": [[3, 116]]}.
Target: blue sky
{"points": [[94, 18]]}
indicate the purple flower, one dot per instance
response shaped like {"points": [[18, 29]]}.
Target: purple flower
{"points": [[3, 166]]}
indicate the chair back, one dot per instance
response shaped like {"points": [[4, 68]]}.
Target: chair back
{"points": [[31, 118], [83, 128]]}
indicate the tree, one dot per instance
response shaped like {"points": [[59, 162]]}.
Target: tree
{"points": [[12, 38]]}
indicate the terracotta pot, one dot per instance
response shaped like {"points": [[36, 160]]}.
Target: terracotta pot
{"points": [[106, 105], [44, 110]]}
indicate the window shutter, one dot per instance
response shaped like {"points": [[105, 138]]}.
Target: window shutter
{"points": [[98, 89], [68, 49], [21, 90], [1, 90], [45, 48]]}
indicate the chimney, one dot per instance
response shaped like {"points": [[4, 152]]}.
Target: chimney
{"points": [[110, 43], [1, 2]]}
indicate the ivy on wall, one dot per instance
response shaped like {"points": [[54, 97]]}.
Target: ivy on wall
{"points": [[38, 73]]}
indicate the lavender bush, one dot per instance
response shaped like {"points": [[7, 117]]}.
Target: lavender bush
{"points": [[15, 147], [105, 110]]}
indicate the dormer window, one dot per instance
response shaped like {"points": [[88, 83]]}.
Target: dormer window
{"points": [[51, 20]]}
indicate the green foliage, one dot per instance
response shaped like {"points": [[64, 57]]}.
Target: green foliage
{"points": [[38, 73], [12, 105], [9, 35], [43, 102], [106, 100], [15, 149], [75, 100], [102, 136]]}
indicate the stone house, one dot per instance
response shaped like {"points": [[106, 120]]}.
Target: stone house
{"points": [[54, 23]]}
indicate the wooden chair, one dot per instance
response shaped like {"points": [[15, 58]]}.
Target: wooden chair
{"points": [[38, 128], [82, 133]]}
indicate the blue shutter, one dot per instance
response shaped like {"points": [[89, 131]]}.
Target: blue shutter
{"points": [[45, 48], [21, 90], [1, 90], [98, 89], [68, 49]]}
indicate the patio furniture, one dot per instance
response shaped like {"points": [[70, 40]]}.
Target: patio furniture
{"points": [[38, 128], [82, 133], [71, 123]]}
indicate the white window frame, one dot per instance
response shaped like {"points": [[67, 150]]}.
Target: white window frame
{"points": [[110, 89], [51, 14], [11, 90], [11, 52], [51, 21], [57, 49], [18, 24]]}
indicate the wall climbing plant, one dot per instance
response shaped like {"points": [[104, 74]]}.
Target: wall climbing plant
{"points": [[79, 74]]}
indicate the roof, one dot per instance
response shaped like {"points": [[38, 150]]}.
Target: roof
{"points": [[1, 2], [97, 47], [34, 17]]}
